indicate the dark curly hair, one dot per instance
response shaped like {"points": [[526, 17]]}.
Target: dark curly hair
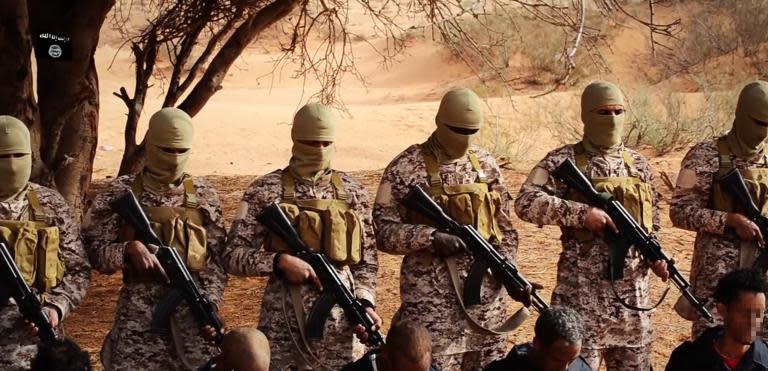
{"points": [[741, 280], [61, 355], [558, 323]]}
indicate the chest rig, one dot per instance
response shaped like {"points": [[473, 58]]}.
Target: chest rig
{"points": [[178, 227], [470, 204], [756, 180], [35, 247], [329, 226], [631, 191]]}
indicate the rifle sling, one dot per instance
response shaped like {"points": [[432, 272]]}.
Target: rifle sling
{"points": [[178, 344], [301, 344], [624, 302], [509, 325]]}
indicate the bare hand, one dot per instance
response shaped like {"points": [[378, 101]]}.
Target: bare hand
{"points": [[745, 228], [53, 319], [209, 333], [446, 244], [360, 331], [596, 220], [144, 261], [659, 268], [297, 271], [524, 295]]}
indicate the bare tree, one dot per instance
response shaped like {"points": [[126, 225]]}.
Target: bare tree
{"points": [[65, 130], [223, 28]]}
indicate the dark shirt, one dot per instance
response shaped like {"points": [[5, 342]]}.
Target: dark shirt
{"points": [[362, 364], [366, 363], [700, 355], [518, 359]]}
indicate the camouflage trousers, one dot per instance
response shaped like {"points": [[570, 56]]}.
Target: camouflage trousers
{"points": [[16, 357], [619, 359], [470, 361]]}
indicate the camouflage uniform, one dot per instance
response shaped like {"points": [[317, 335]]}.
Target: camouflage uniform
{"points": [[130, 344], [426, 293], [717, 249], [17, 345], [620, 335], [245, 255]]}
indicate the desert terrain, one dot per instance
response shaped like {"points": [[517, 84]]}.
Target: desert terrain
{"points": [[244, 131]]}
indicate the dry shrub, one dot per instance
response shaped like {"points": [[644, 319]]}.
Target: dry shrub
{"points": [[664, 122], [508, 42], [508, 142], [670, 121], [724, 27]]}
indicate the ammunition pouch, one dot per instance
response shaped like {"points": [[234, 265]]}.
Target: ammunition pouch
{"points": [[35, 247], [329, 226]]}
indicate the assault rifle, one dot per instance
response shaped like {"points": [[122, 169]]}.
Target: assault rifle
{"points": [[485, 255], [182, 283], [334, 291], [735, 186], [29, 306], [630, 233]]}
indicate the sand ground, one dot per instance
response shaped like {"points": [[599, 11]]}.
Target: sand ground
{"points": [[244, 131]]}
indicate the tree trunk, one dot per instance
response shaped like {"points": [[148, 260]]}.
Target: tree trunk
{"points": [[210, 83], [17, 96], [68, 94]]}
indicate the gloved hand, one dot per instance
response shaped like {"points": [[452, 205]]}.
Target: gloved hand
{"points": [[446, 244]]}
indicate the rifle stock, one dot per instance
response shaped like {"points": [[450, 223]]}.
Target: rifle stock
{"points": [[334, 290], [630, 232], [484, 254], [204, 311], [29, 306], [734, 184]]}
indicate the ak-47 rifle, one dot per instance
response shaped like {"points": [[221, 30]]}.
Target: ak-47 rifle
{"points": [[630, 233], [29, 306], [734, 184], [182, 283], [485, 255], [334, 290]]}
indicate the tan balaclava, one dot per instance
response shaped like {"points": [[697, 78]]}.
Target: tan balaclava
{"points": [[313, 122], [602, 133], [168, 128], [462, 109], [245, 349], [14, 171], [747, 137]]}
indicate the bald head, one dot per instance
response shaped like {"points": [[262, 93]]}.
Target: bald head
{"points": [[408, 347], [245, 349]]}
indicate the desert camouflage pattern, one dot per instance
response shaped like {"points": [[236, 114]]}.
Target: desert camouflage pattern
{"points": [[246, 256], [130, 344], [426, 293], [716, 250], [582, 267], [625, 359], [17, 344]]}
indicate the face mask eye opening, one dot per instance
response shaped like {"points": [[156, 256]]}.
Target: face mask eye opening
{"points": [[761, 123], [316, 143], [14, 155], [462, 131], [174, 151], [610, 111]]}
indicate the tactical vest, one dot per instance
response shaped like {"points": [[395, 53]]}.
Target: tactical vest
{"points": [[329, 226], [470, 204], [178, 227], [35, 247], [755, 179], [631, 191]]}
